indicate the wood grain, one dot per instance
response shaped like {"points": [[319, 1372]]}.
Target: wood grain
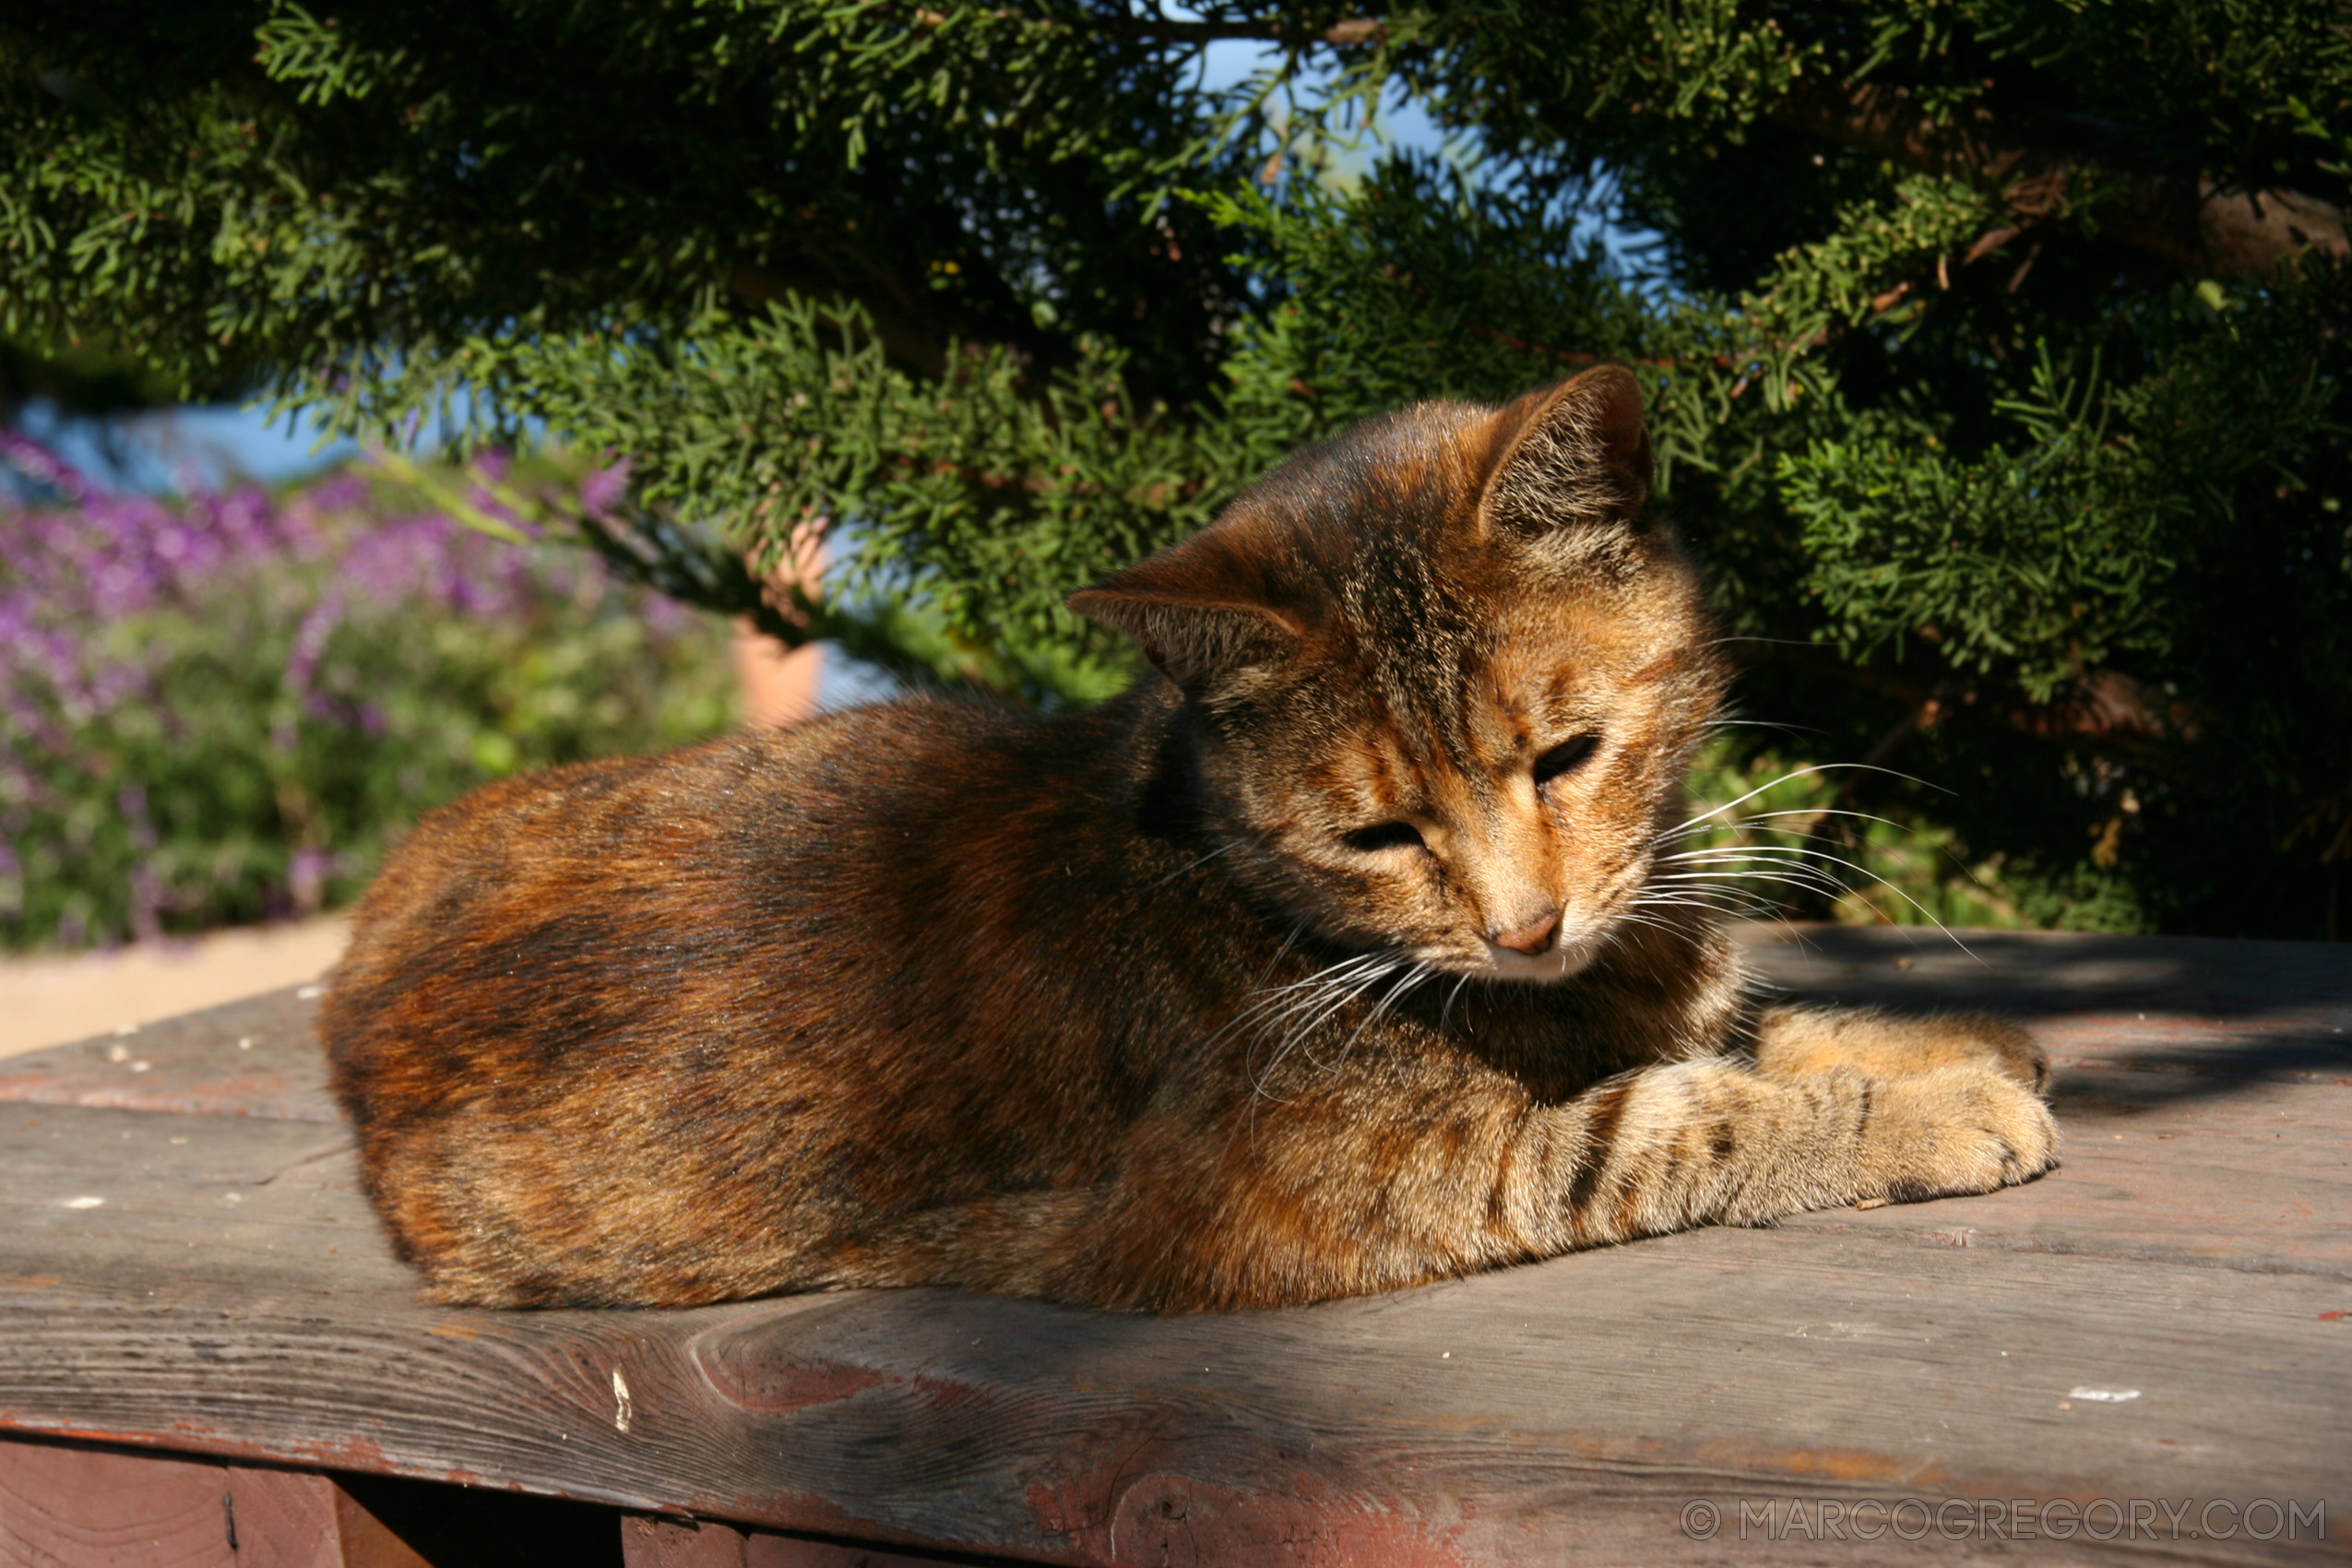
{"points": [[2191, 1254], [85, 1506], [664, 1543], [763, 1549], [669, 1543], [74, 1506], [258, 1057]]}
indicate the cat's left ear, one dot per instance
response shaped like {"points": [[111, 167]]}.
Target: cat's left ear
{"points": [[1201, 609], [1573, 456]]}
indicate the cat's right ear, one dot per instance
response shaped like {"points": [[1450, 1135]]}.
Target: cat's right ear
{"points": [[1575, 455], [1201, 610]]}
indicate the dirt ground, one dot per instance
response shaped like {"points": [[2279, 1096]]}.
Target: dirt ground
{"points": [[48, 1001]]}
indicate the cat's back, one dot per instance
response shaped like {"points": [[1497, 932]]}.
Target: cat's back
{"points": [[615, 1032], [589, 908], [536, 852]]}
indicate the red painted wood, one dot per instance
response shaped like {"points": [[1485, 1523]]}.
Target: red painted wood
{"points": [[763, 1549], [285, 1518], [65, 1506], [665, 1543], [89, 1508]]}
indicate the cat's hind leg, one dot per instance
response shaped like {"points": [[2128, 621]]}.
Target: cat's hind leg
{"points": [[1803, 1042]]}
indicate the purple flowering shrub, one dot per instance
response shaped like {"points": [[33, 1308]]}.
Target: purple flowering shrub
{"points": [[220, 709]]}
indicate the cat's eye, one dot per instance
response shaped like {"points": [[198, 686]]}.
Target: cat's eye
{"points": [[1565, 758], [1384, 835]]}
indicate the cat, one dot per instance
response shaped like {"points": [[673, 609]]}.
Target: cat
{"points": [[1333, 957]]}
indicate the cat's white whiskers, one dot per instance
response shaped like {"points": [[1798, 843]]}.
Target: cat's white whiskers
{"points": [[1305, 1031], [1322, 1006], [1652, 916], [1695, 892], [1797, 867], [1794, 863], [1278, 1003], [1446, 1012], [1721, 885], [1739, 851], [1298, 928], [1634, 916], [1284, 1004], [1658, 889], [1284, 996], [1721, 869], [1395, 993], [1736, 900], [1194, 864], [1304, 1006], [1733, 865], [1800, 773], [1813, 814]]}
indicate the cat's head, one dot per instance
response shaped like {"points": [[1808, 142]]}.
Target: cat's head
{"points": [[1447, 677]]}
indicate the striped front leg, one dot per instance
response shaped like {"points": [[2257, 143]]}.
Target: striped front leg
{"points": [[1715, 1141]]}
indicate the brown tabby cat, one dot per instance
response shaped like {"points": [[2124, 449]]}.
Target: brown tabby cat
{"points": [[1335, 958]]}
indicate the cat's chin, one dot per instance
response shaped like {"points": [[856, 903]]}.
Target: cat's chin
{"points": [[1564, 961]]}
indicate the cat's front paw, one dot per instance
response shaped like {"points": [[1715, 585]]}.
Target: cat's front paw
{"points": [[2007, 1047], [1795, 1042], [1956, 1130]]}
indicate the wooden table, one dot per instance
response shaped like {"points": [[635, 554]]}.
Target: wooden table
{"points": [[202, 1336]]}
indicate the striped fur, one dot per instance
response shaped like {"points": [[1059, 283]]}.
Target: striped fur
{"points": [[1313, 966]]}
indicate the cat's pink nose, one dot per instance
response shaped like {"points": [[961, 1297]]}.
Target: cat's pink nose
{"points": [[1532, 938]]}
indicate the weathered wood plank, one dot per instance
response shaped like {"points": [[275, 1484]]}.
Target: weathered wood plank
{"points": [[2191, 1250], [1844, 1362], [2204, 1088], [258, 1057], [2285, 986]]}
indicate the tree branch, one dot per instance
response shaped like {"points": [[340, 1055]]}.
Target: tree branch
{"points": [[2101, 710], [1148, 29], [2187, 220], [907, 337]]}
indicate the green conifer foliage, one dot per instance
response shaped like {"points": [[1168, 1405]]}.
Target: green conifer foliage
{"points": [[1995, 347]]}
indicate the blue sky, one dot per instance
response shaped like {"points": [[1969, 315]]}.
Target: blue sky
{"points": [[186, 448]]}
